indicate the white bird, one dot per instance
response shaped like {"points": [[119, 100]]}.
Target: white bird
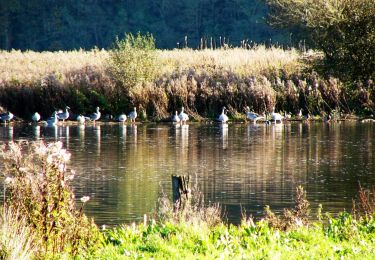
{"points": [[95, 116], [252, 116], [63, 115], [133, 115], [175, 118], [287, 115], [223, 117], [81, 119], [276, 116], [183, 116], [122, 118], [300, 114], [35, 117], [52, 121], [6, 117]]}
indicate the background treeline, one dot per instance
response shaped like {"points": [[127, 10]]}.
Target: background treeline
{"points": [[64, 25]]}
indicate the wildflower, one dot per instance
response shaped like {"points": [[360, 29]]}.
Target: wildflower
{"points": [[85, 199]]}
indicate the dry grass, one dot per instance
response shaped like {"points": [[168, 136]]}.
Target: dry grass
{"points": [[32, 66], [254, 62], [17, 239]]}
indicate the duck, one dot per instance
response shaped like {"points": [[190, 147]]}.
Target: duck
{"points": [[95, 116], [183, 116], [81, 119], [35, 117], [223, 118], [6, 117], [63, 115], [276, 116], [133, 115], [175, 118], [122, 118], [252, 116]]}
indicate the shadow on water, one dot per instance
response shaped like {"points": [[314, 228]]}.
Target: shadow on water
{"points": [[124, 168]]}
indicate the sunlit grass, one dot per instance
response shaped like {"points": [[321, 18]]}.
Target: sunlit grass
{"points": [[29, 66]]}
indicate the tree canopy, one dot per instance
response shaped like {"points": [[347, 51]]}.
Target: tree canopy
{"points": [[343, 29], [65, 25]]}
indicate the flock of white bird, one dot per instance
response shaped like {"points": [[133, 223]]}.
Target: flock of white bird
{"points": [[180, 118]]}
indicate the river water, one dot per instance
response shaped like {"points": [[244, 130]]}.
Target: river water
{"points": [[244, 167]]}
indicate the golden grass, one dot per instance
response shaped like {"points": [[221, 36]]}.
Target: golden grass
{"points": [[243, 62], [31, 66]]}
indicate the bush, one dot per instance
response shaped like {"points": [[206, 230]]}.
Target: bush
{"points": [[37, 186]]}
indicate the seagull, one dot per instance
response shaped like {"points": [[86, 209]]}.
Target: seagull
{"points": [[252, 116], [276, 116], [95, 116], [122, 118], [223, 117], [175, 118], [133, 115], [35, 117], [300, 114], [52, 121], [81, 119], [63, 115], [6, 117], [183, 116]]}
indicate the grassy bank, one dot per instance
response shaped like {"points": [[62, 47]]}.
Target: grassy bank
{"points": [[202, 81], [41, 219]]}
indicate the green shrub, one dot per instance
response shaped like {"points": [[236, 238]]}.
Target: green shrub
{"points": [[132, 60]]}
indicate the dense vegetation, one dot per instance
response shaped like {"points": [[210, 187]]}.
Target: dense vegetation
{"points": [[40, 219], [344, 30], [66, 25]]}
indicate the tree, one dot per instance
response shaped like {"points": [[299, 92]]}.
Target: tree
{"points": [[343, 29]]}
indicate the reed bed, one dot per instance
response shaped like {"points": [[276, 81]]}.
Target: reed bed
{"points": [[201, 80]]}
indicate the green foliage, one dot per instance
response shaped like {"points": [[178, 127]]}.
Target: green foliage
{"points": [[344, 30], [341, 237], [37, 186], [133, 60]]}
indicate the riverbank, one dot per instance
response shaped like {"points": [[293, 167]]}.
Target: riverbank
{"points": [[201, 81]]}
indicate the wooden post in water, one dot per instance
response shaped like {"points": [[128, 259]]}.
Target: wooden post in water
{"points": [[181, 191]]}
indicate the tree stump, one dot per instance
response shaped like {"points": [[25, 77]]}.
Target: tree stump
{"points": [[181, 191]]}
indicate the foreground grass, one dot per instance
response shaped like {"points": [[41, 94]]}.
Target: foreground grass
{"points": [[341, 237]]}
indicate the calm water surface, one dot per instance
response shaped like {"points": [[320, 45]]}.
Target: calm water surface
{"points": [[124, 169]]}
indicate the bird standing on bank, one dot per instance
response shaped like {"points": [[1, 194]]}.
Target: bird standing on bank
{"points": [[63, 115], [35, 117], [52, 120], [6, 117], [133, 115], [81, 119], [276, 116], [122, 118], [183, 116], [175, 118], [252, 116], [95, 116], [223, 117]]}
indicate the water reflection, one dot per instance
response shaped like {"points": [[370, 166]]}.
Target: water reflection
{"points": [[36, 131], [123, 168]]}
